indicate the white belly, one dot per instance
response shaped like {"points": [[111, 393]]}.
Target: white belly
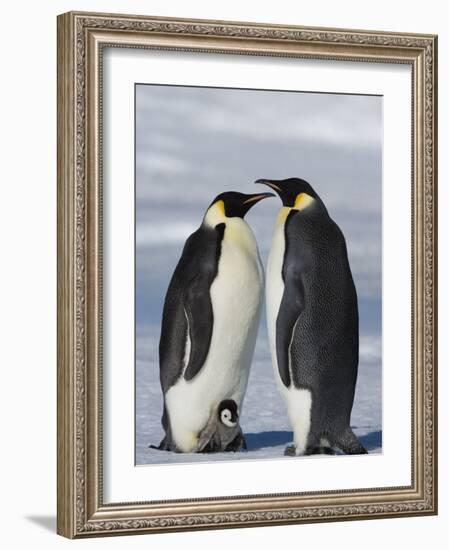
{"points": [[236, 298], [298, 401]]}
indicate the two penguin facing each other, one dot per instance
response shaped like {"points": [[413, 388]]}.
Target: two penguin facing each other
{"points": [[211, 316]]}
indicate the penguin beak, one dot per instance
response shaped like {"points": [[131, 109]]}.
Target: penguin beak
{"points": [[271, 184], [252, 199]]}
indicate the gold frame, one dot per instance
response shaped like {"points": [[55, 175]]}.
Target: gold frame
{"points": [[81, 37]]}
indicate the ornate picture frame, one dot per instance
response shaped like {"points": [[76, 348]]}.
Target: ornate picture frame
{"points": [[82, 39]]}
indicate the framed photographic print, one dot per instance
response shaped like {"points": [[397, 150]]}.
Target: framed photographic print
{"points": [[246, 274]]}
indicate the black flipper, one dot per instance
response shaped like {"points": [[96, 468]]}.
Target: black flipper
{"points": [[292, 305], [198, 308], [188, 307]]}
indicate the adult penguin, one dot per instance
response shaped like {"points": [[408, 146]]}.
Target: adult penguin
{"points": [[210, 321], [312, 317]]}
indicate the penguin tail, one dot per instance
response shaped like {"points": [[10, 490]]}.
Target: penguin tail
{"points": [[163, 445], [349, 443]]}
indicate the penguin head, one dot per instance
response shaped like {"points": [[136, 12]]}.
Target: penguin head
{"points": [[294, 192], [232, 204], [228, 413]]}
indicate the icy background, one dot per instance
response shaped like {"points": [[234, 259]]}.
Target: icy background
{"points": [[192, 144]]}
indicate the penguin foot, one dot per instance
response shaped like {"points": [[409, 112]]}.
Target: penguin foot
{"points": [[349, 443], [210, 447], [355, 451], [237, 444], [327, 451], [290, 450], [319, 450]]}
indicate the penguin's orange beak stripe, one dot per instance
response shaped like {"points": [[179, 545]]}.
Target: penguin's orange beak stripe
{"points": [[273, 186], [256, 198]]}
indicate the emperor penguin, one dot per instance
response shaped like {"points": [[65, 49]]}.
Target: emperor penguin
{"points": [[312, 317], [210, 321]]}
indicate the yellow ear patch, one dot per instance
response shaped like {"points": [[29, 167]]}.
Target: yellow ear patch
{"points": [[215, 214], [303, 200], [221, 207]]}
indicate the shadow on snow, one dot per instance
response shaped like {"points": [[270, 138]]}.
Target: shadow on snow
{"points": [[371, 440], [261, 440]]}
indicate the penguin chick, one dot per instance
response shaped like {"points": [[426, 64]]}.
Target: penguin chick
{"points": [[223, 432]]}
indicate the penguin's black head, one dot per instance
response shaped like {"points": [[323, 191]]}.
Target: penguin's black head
{"points": [[236, 204], [228, 413], [291, 190]]}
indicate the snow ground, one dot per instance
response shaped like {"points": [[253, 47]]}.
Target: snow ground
{"points": [[263, 417]]}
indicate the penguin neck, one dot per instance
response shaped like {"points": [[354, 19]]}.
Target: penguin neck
{"points": [[303, 202], [215, 215], [238, 232], [282, 215]]}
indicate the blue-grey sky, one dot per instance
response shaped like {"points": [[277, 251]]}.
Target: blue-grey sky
{"points": [[193, 143]]}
